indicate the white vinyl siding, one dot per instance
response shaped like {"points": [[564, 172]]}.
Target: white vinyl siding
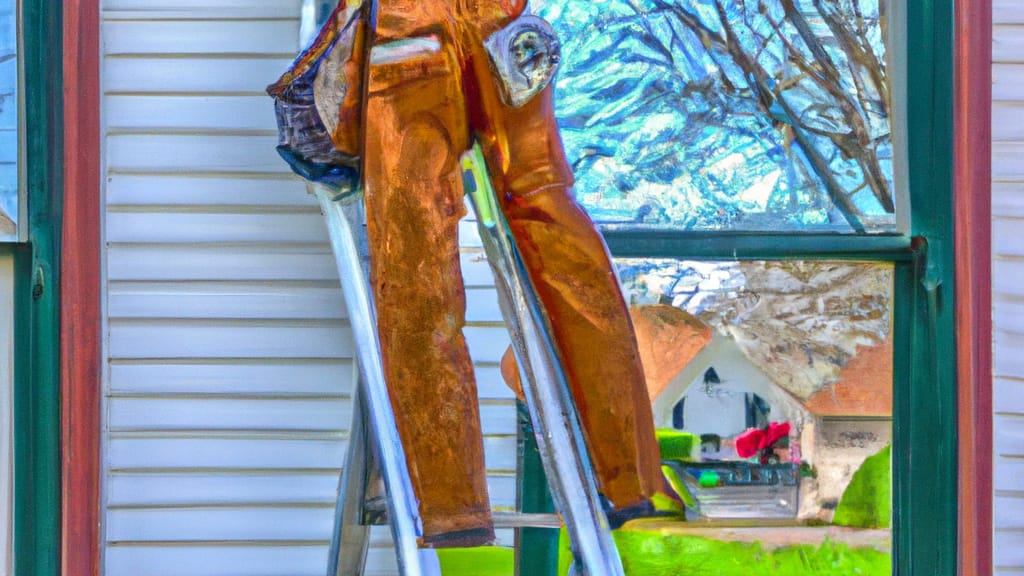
{"points": [[6, 408], [229, 355], [1008, 283]]}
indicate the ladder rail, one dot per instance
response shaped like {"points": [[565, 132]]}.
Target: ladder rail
{"points": [[557, 429], [343, 225], [350, 533]]}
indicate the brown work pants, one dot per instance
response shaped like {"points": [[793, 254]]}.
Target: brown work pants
{"points": [[421, 115]]}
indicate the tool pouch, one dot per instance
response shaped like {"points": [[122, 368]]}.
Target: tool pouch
{"points": [[318, 101], [524, 56]]}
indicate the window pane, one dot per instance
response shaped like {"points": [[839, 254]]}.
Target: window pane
{"points": [[772, 391], [727, 114], [8, 121]]}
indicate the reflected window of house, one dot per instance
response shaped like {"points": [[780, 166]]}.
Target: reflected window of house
{"points": [[781, 375]]}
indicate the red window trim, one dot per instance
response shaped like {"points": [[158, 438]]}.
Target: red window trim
{"points": [[81, 337], [973, 229]]}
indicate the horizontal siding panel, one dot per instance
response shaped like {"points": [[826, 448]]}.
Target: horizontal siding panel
{"points": [[224, 300], [194, 153], [1008, 548], [1007, 12], [1010, 314], [300, 415], [1008, 358], [190, 339], [259, 414], [1008, 82], [1010, 395], [482, 305], [487, 344], [1009, 435], [204, 37], [267, 524], [1008, 118], [244, 452], [190, 228], [1007, 276], [323, 378], [191, 75], [206, 8], [214, 560], [1009, 516], [1008, 43], [490, 383], [204, 112], [201, 191], [164, 490], [243, 263], [139, 490], [1007, 473], [1006, 164], [1006, 237], [1008, 198]]}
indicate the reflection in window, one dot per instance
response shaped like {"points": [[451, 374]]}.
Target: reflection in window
{"points": [[727, 114], [8, 121], [778, 375]]}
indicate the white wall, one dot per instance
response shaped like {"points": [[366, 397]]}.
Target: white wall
{"points": [[1008, 283], [6, 406], [229, 355]]}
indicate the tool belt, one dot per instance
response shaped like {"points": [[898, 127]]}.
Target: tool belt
{"points": [[319, 100]]}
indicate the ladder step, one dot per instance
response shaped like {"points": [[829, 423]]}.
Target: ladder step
{"points": [[376, 516], [526, 520]]}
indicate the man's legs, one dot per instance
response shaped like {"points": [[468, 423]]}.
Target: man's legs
{"points": [[415, 131]]}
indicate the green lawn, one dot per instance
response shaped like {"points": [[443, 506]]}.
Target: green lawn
{"points": [[653, 554]]}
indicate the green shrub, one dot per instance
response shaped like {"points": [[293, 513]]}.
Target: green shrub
{"points": [[867, 501], [676, 445]]}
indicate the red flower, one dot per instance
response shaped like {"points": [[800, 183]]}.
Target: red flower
{"points": [[776, 431], [749, 443], [754, 440]]}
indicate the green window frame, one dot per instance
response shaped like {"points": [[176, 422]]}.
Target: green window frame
{"points": [[925, 411], [36, 428]]}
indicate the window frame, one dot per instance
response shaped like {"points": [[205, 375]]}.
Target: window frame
{"points": [[926, 494], [36, 506]]}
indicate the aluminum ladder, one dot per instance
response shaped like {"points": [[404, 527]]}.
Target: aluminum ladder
{"points": [[375, 485]]}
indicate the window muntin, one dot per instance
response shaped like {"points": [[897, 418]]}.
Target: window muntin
{"points": [[744, 115]]}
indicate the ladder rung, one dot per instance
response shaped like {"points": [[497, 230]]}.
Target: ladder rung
{"points": [[378, 517], [526, 520]]}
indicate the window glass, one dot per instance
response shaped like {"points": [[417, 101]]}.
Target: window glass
{"points": [[772, 387], [766, 115], [8, 121]]}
